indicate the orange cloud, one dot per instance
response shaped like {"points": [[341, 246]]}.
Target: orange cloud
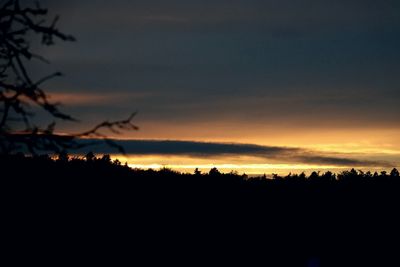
{"points": [[86, 98]]}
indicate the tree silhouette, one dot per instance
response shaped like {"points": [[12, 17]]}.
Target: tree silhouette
{"points": [[394, 173], [19, 92], [197, 172], [214, 172]]}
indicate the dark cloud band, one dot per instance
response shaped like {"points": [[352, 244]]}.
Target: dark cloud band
{"points": [[215, 149]]}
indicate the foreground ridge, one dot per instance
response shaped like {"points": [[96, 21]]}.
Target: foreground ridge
{"points": [[166, 217]]}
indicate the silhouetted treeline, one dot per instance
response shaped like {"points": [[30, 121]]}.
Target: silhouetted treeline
{"points": [[104, 209], [94, 167]]}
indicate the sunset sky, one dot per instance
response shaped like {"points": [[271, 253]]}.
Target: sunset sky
{"points": [[254, 86]]}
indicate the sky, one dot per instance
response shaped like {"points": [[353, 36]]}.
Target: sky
{"points": [[261, 86]]}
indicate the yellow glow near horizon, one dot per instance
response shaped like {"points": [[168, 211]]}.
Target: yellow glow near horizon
{"points": [[254, 169], [274, 133], [367, 144], [248, 165]]}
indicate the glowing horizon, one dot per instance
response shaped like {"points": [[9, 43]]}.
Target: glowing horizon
{"points": [[242, 165], [255, 169], [301, 88]]}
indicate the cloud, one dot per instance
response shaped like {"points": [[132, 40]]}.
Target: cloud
{"points": [[215, 149], [263, 66], [308, 15], [93, 99]]}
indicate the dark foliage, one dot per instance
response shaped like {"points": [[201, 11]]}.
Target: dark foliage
{"points": [[92, 167], [110, 212]]}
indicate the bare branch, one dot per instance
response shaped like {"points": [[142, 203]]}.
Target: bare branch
{"points": [[18, 90], [112, 126]]}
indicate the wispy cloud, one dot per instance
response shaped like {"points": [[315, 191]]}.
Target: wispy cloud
{"points": [[93, 99]]}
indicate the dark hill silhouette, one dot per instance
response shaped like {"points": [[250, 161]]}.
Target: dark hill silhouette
{"points": [[107, 211]]}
